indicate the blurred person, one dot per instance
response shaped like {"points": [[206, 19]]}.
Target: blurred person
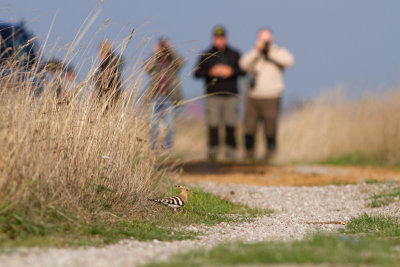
{"points": [[108, 78], [219, 67], [19, 55], [63, 77], [266, 63], [164, 90]]}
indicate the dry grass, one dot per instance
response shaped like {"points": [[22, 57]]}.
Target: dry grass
{"points": [[333, 126], [79, 156]]}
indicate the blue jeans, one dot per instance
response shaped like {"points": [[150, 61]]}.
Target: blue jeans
{"points": [[163, 110]]}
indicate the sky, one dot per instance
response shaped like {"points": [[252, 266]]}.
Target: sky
{"points": [[354, 44]]}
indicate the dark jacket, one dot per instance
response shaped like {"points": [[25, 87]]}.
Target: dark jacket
{"points": [[163, 70], [212, 57]]}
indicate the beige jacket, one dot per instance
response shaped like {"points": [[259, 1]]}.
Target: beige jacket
{"points": [[268, 73]]}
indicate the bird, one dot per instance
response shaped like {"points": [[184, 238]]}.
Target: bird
{"points": [[174, 202]]}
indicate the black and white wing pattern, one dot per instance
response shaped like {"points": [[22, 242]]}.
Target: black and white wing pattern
{"points": [[172, 202]]}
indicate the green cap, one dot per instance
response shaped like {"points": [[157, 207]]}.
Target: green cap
{"points": [[219, 31]]}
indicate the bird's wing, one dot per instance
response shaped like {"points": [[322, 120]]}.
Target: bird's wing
{"points": [[170, 201]]}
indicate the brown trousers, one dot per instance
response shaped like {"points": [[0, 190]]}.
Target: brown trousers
{"points": [[264, 110]]}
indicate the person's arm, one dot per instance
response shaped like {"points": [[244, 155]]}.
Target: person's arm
{"points": [[281, 56], [177, 60], [237, 70], [248, 60], [202, 67]]}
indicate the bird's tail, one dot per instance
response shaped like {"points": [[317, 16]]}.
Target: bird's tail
{"points": [[154, 200]]}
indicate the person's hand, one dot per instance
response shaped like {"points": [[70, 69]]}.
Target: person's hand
{"points": [[260, 45], [215, 70], [226, 71], [220, 70]]}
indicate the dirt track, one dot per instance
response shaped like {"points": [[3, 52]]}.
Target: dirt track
{"points": [[256, 174]]}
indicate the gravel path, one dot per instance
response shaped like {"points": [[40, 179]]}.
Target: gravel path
{"points": [[294, 208]]}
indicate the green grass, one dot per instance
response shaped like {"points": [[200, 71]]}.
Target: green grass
{"points": [[341, 183], [206, 208], [319, 249], [51, 229], [366, 240], [390, 195], [378, 226], [59, 227], [372, 181], [358, 160]]}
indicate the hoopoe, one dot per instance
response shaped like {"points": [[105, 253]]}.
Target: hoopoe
{"points": [[175, 201]]}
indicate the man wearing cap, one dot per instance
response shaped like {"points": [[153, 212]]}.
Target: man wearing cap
{"points": [[219, 67]]}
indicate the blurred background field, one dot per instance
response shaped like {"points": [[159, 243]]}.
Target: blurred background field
{"points": [[333, 128]]}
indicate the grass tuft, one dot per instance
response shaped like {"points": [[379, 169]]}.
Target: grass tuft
{"points": [[380, 225], [388, 196]]}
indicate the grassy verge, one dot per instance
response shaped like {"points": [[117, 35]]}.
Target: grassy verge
{"points": [[357, 160], [316, 250], [366, 240], [390, 195], [23, 231], [205, 208], [57, 227]]}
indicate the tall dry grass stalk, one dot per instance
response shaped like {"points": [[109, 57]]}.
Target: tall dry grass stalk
{"points": [[334, 126]]}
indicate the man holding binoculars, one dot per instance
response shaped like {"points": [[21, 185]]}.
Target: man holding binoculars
{"points": [[265, 63]]}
